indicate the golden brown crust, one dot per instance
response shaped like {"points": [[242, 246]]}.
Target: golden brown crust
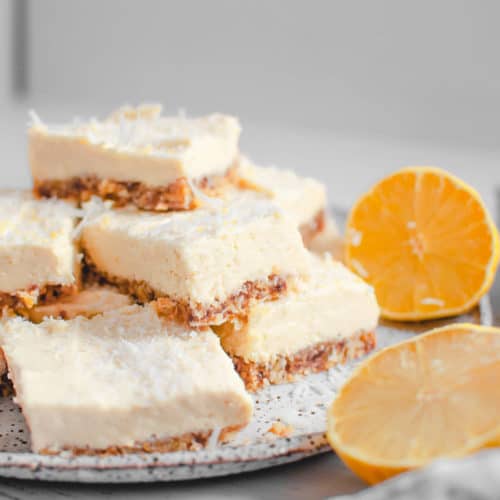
{"points": [[177, 195], [23, 300], [193, 314], [312, 228], [192, 441], [236, 306], [282, 369], [6, 387]]}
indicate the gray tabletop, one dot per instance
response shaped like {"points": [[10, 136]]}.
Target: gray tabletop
{"points": [[316, 477]]}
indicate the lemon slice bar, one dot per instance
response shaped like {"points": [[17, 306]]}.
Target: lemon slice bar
{"points": [[135, 156], [204, 266], [124, 381], [86, 303], [326, 320], [38, 260], [301, 198]]}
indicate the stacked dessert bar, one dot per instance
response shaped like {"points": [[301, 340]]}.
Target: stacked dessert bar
{"points": [[155, 275]]}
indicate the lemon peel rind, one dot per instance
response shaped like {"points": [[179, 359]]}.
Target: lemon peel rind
{"points": [[490, 270], [375, 470]]}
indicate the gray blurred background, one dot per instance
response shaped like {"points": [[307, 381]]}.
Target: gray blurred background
{"points": [[346, 91]]}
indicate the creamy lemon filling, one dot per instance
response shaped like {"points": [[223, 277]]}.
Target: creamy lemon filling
{"points": [[333, 304], [132, 375], [134, 145]]}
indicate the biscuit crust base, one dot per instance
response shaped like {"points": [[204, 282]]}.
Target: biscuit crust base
{"points": [[193, 314], [320, 357], [23, 300], [6, 388], [192, 441], [177, 195]]}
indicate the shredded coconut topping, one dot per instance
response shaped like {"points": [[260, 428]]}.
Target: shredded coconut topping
{"points": [[355, 237], [358, 267], [143, 130], [215, 217], [432, 301]]}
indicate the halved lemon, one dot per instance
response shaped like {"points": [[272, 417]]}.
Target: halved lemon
{"points": [[435, 395], [425, 241]]}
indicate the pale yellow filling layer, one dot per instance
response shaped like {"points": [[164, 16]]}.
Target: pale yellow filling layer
{"points": [[135, 146]]}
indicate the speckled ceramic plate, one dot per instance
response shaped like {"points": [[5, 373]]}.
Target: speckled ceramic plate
{"points": [[301, 405]]}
